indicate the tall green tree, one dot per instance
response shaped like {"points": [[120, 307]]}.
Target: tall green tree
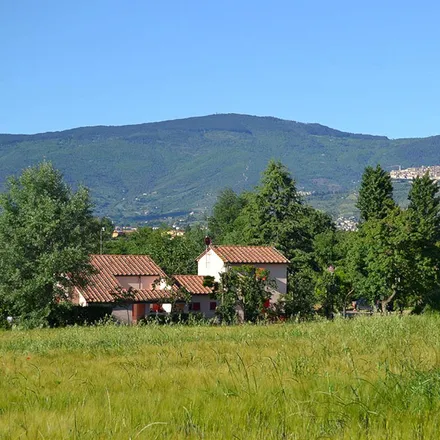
{"points": [[46, 234], [300, 299], [224, 214], [274, 213], [381, 259], [424, 208], [424, 218], [330, 292], [375, 194]]}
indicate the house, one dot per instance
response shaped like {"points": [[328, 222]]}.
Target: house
{"points": [[217, 259], [115, 275], [134, 286], [202, 300]]}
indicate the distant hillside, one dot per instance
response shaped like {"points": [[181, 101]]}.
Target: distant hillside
{"points": [[150, 171]]}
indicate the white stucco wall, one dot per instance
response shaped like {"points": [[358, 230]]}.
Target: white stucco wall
{"points": [[211, 265], [81, 300]]}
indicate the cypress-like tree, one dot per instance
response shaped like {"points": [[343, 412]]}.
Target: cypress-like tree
{"points": [[380, 260], [375, 194], [424, 208], [424, 218]]}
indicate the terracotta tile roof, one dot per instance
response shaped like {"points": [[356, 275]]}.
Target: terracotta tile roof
{"points": [[193, 284], [248, 254], [126, 265], [108, 267]]}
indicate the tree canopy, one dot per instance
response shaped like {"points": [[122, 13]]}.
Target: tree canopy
{"points": [[375, 194], [46, 234], [174, 254]]}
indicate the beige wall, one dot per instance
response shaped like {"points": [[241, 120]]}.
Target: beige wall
{"points": [[123, 313], [277, 272], [205, 301], [77, 298]]}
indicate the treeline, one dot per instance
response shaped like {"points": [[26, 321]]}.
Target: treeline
{"points": [[47, 232], [174, 254], [392, 259]]}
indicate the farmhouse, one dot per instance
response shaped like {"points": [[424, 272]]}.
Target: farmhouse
{"points": [[217, 259], [134, 286], [115, 275]]}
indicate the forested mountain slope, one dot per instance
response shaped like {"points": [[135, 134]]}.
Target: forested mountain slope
{"points": [[145, 171]]}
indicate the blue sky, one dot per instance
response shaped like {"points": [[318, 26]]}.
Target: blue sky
{"points": [[360, 66]]}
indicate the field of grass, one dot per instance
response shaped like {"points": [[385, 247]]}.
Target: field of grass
{"points": [[370, 378]]}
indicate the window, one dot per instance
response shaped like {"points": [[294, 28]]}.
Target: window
{"points": [[156, 308], [195, 306], [212, 305]]}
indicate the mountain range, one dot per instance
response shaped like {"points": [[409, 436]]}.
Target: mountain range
{"points": [[175, 169]]}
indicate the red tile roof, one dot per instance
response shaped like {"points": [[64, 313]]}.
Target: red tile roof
{"points": [[102, 283], [193, 284], [126, 265], [248, 254]]}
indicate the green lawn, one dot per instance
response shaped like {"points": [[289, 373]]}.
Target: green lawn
{"points": [[376, 378]]}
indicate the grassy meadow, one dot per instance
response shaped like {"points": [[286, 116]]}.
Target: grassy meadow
{"points": [[366, 378]]}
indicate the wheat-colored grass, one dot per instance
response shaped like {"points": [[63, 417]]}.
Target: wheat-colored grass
{"points": [[372, 378]]}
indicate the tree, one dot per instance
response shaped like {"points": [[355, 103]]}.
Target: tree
{"points": [[382, 259], [46, 234], [375, 194], [329, 292], [424, 208], [224, 213], [173, 254], [274, 212], [334, 282], [424, 218], [243, 290], [300, 298]]}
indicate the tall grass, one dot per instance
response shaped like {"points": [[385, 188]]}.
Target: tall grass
{"points": [[354, 379]]}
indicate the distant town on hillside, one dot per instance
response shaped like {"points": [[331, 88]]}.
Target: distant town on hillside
{"points": [[412, 173], [172, 171]]}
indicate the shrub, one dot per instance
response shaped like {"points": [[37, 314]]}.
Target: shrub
{"points": [[65, 313]]}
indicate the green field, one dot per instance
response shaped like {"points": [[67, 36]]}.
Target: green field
{"points": [[375, 378]]}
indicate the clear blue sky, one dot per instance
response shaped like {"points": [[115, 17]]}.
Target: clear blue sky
{"points": [[360, 66]]}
